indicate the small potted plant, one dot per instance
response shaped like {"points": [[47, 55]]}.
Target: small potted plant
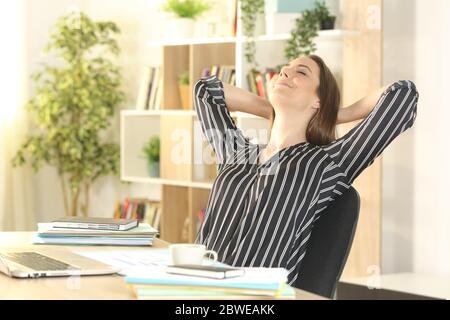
{"points": [[326, 20], [186, 13], [183, 85], [151, 152]]}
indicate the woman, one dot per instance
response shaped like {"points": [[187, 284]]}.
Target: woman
{"points": [[265, 199]]}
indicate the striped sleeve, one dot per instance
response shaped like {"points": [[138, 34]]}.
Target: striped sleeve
{"points": [[394, 113], [216, 122]]}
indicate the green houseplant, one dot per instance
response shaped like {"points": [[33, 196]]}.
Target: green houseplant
{"points": [[250, 9], [184, 89], [191, 9], [306, 29], [186, 12], [326, 20], [73, 103], [302, 36], [151, 152]]}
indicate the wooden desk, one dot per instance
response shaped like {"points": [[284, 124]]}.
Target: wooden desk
{"points": [[110, 287]]}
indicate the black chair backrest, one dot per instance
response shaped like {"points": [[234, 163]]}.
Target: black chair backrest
{"points": [[329, 245]]}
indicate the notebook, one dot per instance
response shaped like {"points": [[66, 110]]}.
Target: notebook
{"points": [[206, 271], [95, 223]]}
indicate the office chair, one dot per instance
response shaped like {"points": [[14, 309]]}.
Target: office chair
{"points": [[329, 245]]}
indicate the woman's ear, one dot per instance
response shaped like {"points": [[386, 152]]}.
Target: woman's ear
{"points": [[316, 104]]}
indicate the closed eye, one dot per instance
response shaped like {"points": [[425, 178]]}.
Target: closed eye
{"points": [[304, 73]]}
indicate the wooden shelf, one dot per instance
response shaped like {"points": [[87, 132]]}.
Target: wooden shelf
{"points": [[322, 35], [191, 184]]}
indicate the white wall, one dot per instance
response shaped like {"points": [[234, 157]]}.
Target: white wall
{"points": [[137, 27], [416, 216]]}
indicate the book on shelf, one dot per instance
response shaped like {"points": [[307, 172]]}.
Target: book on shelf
{"points": [[158, 98], [154, 89], [234, 11], [142, 98], [199, 219], [258, 81], [144, 210], [150, 87], [225, 73]]}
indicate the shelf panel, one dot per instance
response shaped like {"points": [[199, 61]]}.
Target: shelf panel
{"points": [[145, 113], [200, 185], [324, 34]]}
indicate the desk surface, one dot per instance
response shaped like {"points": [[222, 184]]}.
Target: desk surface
{"points": [[111, 287]]}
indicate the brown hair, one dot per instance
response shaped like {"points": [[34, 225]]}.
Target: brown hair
{"points": [[321, 129]]}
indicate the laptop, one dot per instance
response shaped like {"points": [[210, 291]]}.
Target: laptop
{"points": [[54, 263]]}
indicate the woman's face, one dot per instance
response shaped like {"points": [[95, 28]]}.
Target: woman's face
{"points": [[296, 85]]}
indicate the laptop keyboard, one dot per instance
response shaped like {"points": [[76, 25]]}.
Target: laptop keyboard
{"points": [[37, 261]]}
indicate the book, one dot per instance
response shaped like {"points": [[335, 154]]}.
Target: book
{"points": [[254, 278], [157, 218], [154, 89], [260, 85], [143, 96], [95, 223], [206, 271], [142, 230], [143, 292], [159, 94], [106, 241]]}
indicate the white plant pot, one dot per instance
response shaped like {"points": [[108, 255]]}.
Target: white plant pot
{"points": [[182, 28]]}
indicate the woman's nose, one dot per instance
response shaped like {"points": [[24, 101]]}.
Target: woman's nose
{"points": [[283, 73]]}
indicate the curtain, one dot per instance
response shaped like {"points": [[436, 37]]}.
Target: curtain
{"points": [[16, 200]]}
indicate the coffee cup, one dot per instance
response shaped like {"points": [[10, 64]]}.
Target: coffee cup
{"points": [[187, 253]]}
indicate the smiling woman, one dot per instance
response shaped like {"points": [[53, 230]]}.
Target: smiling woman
{"points": [[261, 214], [15, 193], [312, 99]]}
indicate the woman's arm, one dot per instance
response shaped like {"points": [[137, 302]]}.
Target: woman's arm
{"points": [[361, 108], [238, 99], [393, 114]]}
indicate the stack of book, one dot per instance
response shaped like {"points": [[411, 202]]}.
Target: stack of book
{"points": [[256, 283], [257, 81], [94, 231], [144, 210], [150, 91]]}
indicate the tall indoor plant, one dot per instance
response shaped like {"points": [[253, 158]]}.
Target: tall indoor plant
{"points": [[74, 102]]}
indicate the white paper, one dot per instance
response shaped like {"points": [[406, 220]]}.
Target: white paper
{"points": [[129, 260]]}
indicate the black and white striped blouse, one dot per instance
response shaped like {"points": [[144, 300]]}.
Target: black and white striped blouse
{"points": [[261, 215]]}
